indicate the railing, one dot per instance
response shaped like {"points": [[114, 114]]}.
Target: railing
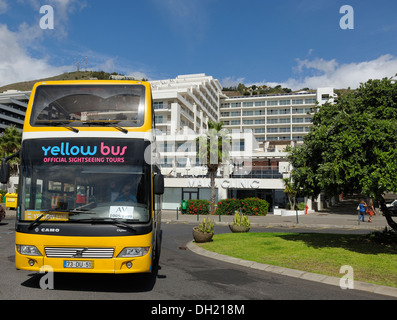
{"points": [[261, 172]]}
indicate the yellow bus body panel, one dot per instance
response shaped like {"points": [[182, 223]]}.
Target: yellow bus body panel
{"points": [[113, 265], [146, 127]]}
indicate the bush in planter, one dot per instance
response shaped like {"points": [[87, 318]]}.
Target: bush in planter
{"points": [[227, 206], [198, 207], [241, 220], [204, 231], [241, 223], [254, 207], [206, 226]]}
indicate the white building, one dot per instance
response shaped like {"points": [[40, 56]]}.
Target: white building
{"points": [[187, 101], [13, 105], [281, 117], [260, 127]]}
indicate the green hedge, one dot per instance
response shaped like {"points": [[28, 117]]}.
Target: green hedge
{"points": [[249, 206], [198, 207], [227, 206], [254, 207]]}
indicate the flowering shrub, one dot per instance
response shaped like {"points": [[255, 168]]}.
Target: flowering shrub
{"points": [[254, 207], [198, 207], [227, 206], [249, 206]]}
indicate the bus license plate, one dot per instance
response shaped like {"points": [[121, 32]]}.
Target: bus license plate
{"points": [[78, 264]]}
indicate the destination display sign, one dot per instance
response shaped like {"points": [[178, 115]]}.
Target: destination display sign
{"points": [[85, 151]]}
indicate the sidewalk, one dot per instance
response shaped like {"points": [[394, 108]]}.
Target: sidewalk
{"points": [[343, 215]]}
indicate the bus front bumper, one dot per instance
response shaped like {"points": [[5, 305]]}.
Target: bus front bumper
{"points": [[115, 264]]}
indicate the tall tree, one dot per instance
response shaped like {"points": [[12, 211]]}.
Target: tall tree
{"points": [[213, 151], [10, 142], [352, 146]]}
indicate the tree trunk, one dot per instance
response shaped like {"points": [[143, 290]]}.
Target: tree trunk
{"points": [[212, 177], [386, 212]]}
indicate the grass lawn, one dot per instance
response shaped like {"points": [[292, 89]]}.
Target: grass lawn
{"points": [[313, 252]]}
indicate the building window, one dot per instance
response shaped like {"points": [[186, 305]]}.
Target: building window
{"points": [[158, 105], [248, 104], [297, 120], [285, 102], [310, 101], [297, 101]]}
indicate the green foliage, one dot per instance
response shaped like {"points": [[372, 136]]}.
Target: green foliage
{"points": [[254, 207], [301, 206], [198, 207], [249, 206], [227, 206], [241, 220], [352, 145], [213, 150], [206, 226]]}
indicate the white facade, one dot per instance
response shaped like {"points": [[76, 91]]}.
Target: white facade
{"points": [[187, 101], [13, 105], [281, 117], [260, 127]]}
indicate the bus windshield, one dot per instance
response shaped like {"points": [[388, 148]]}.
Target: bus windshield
{"points": [[89, 105], [80, 179]]}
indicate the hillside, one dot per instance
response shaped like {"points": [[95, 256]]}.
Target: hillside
{"points": [[77, 75]]}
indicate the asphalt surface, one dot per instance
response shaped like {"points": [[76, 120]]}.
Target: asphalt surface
{"points": [[189, 272]]}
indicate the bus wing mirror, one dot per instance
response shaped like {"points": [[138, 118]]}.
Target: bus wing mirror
{"points": [[158, 184], [4, 172]]}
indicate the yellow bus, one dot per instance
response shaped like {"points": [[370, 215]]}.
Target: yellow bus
{"points": [[90, 191]]}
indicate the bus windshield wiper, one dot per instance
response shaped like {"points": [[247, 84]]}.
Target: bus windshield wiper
{"points": [[58, 123], [106, 123], [70, 212], [110, 220]]}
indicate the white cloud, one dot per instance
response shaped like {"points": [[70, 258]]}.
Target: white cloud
{"points": [[15, 63], [231, 82], [332, 74]]}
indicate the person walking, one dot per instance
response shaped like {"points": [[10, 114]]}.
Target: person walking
{"points": [[370, 210], [362, 208]]}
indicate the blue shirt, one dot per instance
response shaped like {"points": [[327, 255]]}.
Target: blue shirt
{"points": [[362, 207]]}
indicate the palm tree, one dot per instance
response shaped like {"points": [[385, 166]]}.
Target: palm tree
{"points": [[291, 192], [213, 151], [10, 142]]}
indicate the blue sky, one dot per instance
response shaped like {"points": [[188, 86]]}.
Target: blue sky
{"points": [[293, 43]]}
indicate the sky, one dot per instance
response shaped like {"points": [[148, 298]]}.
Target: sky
{"points": [[292, 43]]}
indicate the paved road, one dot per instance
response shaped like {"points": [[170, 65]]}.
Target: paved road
{"points": [[182, 275]]}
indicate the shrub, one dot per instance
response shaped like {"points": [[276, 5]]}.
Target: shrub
{"points": [[254, 207], [227, 206], [206, 226], [198, 207], [301, 206], [241, 220], [249, 206]]}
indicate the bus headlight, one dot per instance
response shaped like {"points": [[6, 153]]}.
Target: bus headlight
{"points": [[28, 250], [133, 252]]}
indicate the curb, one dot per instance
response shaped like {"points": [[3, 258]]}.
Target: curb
{"points": [[358, 285]]}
